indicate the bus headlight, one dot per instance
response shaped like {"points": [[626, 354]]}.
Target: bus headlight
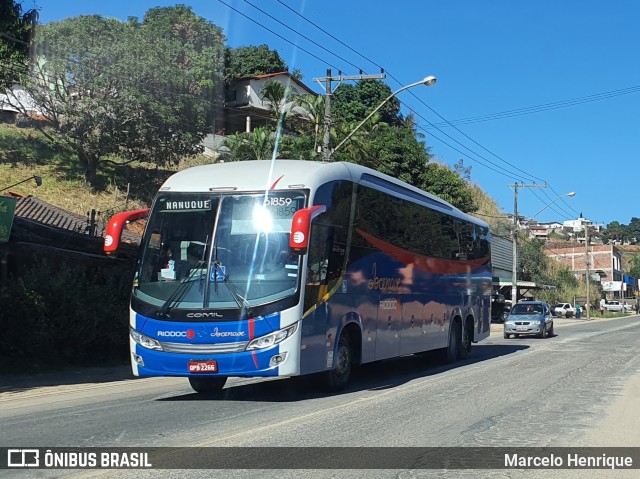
{"points": [[272, 338], [144, 341]]}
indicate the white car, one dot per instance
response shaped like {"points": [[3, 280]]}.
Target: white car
{"points": [[616, 306], [563, 309]]}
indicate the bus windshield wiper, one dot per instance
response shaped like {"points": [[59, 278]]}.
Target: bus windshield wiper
{"points": [[180, 291], [240, 300]]}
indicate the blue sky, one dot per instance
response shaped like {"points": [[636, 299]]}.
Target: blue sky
{"points": [[572, 66]]}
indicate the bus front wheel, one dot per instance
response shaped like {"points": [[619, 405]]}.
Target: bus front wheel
{"points": [[338, 377], [207, 385]]}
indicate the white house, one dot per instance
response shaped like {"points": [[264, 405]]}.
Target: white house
{"points": [[244, 108]]}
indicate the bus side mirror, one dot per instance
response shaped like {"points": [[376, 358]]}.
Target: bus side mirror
{"points": [[300, 226], [113, 231]]}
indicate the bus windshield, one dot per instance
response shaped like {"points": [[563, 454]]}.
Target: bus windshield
{"points": [[218, 251]]}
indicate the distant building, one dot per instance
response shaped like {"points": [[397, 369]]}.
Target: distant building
{"points": [[244, 108], [16, 100], [542, 231], [605, 265]]}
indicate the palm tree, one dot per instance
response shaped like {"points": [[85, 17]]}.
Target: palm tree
{"points": [[276, 95], [313, 112], [256, 145]]}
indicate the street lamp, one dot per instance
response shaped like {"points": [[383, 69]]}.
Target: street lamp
{"points": [[427, 81], [573, 193], [38, 180]]}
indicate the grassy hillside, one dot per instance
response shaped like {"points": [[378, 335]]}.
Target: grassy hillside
{"points": [[489, 211], [25, 152]]}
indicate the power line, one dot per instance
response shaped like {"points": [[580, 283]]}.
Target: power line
{"points": [[277, 34], [329, 34], [444, 133], [304, 50], [453, 139], [528, 110], [302, 35], [544, 107]]}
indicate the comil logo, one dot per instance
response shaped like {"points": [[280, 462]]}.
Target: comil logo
{"points": [[23, 458]]}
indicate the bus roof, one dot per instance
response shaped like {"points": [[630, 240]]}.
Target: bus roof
{"points": [[261, 175]]}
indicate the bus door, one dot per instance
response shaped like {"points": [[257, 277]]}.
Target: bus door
{"points": [[389, 326]]}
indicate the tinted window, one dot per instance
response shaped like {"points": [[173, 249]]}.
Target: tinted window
{"points": [[328, 240]]}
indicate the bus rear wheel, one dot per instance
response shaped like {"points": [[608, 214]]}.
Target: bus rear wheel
{"points": [[466, 339], [338, 378], [450, 353], [207, 385]]}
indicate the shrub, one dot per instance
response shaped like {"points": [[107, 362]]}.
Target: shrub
{"points": [[65, 313]]}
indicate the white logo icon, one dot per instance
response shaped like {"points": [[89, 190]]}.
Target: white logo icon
{"points": [[23, 458]]}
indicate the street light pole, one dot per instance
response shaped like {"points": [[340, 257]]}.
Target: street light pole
{"points": [[586, 247], [573, 193], [428, 81], [328, 91], [37, 179], [514, 272]]}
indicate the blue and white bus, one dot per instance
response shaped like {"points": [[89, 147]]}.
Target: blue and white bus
{"points": [[285, 268]]}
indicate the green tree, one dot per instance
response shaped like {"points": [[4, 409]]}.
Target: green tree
{"points": [[258, 144], [489, 211], [298, 147], [633, 230], [140, 91], [615, 231], [16, 32], [439, 180], [534, 263], [633, 265], [352, 103], [397, 153], [463, 171], [277, 96], [251, 61], [313, 107]]}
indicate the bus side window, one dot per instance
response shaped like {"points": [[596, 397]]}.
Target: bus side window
{"points": [[321, 273], [318, 255]]}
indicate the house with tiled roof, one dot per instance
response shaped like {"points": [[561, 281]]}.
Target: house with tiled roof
{"points": [[37, 222], [244, 108]]}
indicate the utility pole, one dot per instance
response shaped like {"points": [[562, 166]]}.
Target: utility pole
{"points": [[621, 275], [586, 251], [514, 272], [328, 91]]}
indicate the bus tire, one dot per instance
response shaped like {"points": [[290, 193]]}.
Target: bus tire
{"points": [[338, 378], [466, 339], [207, 385], [450, 353]]}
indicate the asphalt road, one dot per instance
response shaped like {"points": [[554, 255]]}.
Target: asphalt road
{"points": [[575, 389]]}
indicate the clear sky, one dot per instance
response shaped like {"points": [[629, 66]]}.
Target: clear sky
{"points": [[548, 90]]}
